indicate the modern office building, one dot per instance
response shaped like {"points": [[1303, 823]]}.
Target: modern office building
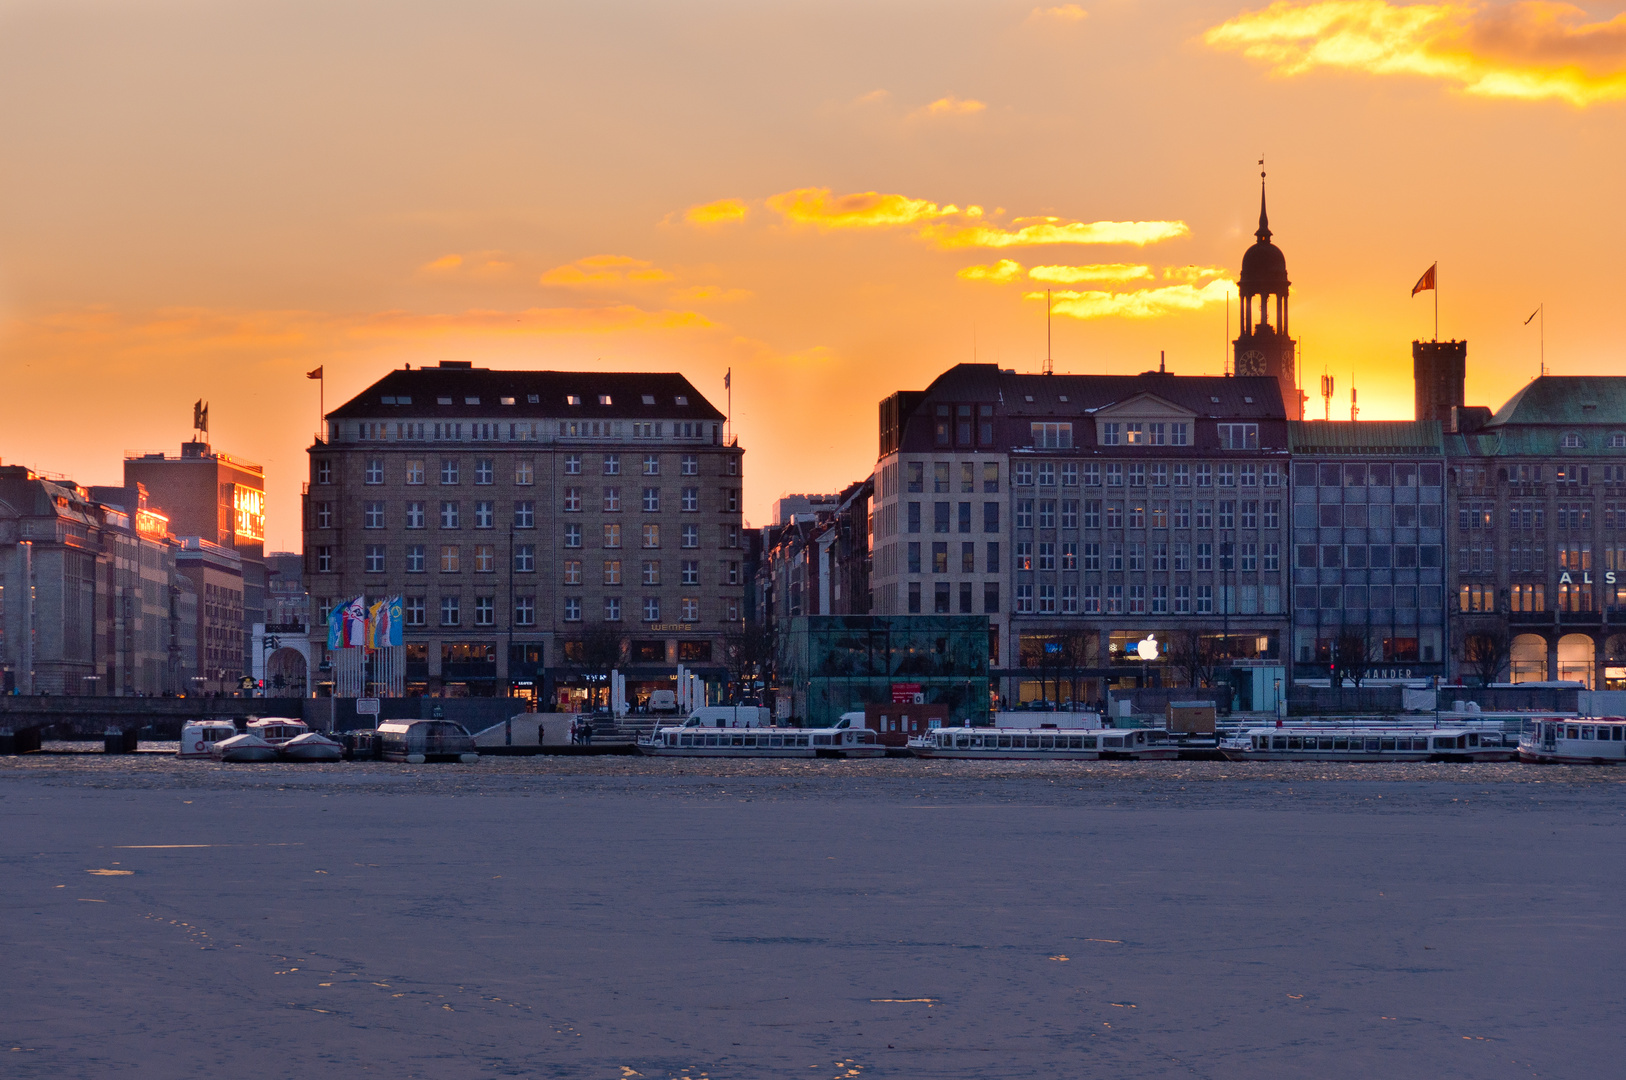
{"points": [[532, 520], [831, 664]]}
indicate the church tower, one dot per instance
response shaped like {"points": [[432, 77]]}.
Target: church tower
{"points": [[1263, 346]]}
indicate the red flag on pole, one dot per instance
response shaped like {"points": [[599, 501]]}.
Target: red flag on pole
{"points": [[1425, 282], [317, 374]]}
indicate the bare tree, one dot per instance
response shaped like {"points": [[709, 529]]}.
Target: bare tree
{"points": [[1195, 657], [748, 651], [1352, 653], [1487, 653], [598, 651], [1076, 653]]}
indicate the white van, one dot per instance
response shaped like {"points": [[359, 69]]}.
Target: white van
{"points": [[663, 701], [730, 716]]}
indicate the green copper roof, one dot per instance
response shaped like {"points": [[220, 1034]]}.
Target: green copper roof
{"points": [[1567, 399], [1409, 437]]}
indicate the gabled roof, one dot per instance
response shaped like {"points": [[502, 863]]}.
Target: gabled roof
{"points": [[1247, 397], [1403, 437], [553, 391]]}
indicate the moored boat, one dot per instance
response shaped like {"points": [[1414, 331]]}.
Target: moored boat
{"points": [[245, 747], [692, 740], [1046, 744], [277, 730], [311, 746], [1588, 740], [1390, 742], [198, 737], [417, 741]]}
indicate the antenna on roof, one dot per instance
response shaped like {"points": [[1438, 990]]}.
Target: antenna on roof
{"points": [[1161, 369], [1049, 362], [1326, 396], [1354, 409]]}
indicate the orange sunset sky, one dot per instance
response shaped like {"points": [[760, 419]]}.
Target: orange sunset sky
{"points": [[836, 200]]}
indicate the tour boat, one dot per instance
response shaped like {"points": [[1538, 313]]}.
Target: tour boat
{"points": [[418, 741], [277, 730], [1592, 740], [1046, 744], [692, 740], [247, 747], [198, 737], [311, 746], [1390, 742]]}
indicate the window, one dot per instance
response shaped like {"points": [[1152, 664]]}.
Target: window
{"points": [[1024, 556], [1114, 476], [963, 517], [1182, 476], [1272, 557], [485, 611], [1205, 475], [573, 536], [414, 515], [448, 471], [450, 559], [524, 514], [1115, 599], [1182, 515], [524, 558], [375, 471], [1052, 436], [990, 517], [612, 609], [573, 500], [573, 609], [448, 515], [1273, 514], [1227, 514], [484, 473], [523, 474], [1179, 433], [1092, 599], [573, 572], [940, 477], [1205, 599], [691, 500], [612, 464], [1047, 513], [691, 536], [612, 571], [1092, 513], [612, 536], [939, 558], [992, 566], [374, 563], [414, 559], [731, 499], [1024, 599], [1182, 599], [450, 614], [1160, 557], [1115, 556], [1160, 475], [690, 572], [1160, 515], [524, 611], [652, 500], [1109, 434], [1572, 440], [1069, 513], [324, 472], [1239, 436], [1205, 556], [914, 598], [412, 611], [1047, 556], [652, 609], [324, 515], [914, 557], [612, 500], [690, 609], [484, 516], [414, 471], [1226, 475], [652, 536], [652, 572], [573, 467], [1022, 474], [968, 558], [1092, 474], [1024, 513], [1205, 515], [485, 559], [1047, 474]]}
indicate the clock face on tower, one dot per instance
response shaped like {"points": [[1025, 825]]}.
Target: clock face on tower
{"points": [[1251, 362]]}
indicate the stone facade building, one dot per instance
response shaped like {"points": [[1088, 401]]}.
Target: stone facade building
{"points": [[525, 518]]}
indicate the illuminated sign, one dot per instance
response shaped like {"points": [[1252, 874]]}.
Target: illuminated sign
{"points": [[248, 507]]}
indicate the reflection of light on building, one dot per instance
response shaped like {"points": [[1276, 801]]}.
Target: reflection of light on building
{"points": [[248, 506]]}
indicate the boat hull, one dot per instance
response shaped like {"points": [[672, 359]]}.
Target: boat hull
{"points": [[313, 753], [1466, 756], [250, 754], [1155, 753]]}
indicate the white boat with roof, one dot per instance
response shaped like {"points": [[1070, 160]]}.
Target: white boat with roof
{"points": [[198, 737], [277, 730], [1575, 740], [693, 739], [1046, 744], [1375, 742]]}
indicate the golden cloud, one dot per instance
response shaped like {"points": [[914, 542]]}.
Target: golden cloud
{"points": [[442, 265], [612, 318], [720, 212], [1071, 275], [1005, 270], [1060, 13], [1193, 273], [1140, 304], [864, 210], [1533, 50], [947, 107], [1050, 230], [951, 228], [598, 270]]}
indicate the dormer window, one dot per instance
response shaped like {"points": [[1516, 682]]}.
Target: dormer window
{"points": [[471, 401], [573, 399], [1134, 434], [1617, 440], [387, 400], [443, 401], [1028, 398], [1572, 440], [604, 399], [1109, 433], [1214, 400], [1247, 400], [649, 399], [403, 399], [1062, 398], [682, 401], [533, 399], [507, 401]]}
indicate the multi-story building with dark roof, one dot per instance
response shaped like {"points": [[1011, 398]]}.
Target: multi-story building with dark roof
{"points": [[1083, 514], [1538, 534], [526, 516]]}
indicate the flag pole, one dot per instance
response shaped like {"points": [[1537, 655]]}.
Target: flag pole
{"points": [[1436, 302]]}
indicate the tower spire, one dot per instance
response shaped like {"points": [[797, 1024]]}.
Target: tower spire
{"points": [[1263, 233]]}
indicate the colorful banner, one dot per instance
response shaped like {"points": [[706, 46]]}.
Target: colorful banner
{"points": [[335, 625], [384, 623]]}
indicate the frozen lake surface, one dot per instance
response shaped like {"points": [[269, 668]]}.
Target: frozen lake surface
{"points": [[621, 917]]}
